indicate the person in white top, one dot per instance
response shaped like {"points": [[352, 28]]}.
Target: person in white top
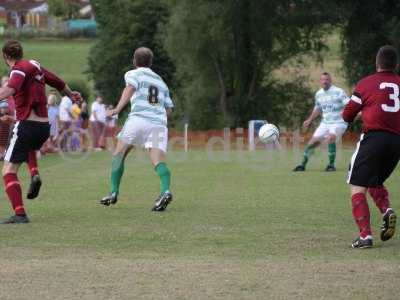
{"points": [[98, 121], [66, 109], [330, 101], [111, 127], [65, 116], [146, 126], [53, 112]]}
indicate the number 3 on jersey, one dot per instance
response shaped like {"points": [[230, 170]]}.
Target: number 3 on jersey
{"points": [[153, 95], [392, 96]]}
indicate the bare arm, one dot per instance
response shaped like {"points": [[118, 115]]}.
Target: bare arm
{"points": [[75, 96], [169, 111], [57, 83], [6, 92], [127, 94], [67, 91], [314, 114]]}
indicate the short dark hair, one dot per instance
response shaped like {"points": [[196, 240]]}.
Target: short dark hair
{"points": [[13, 49], [326, 74], [143, 57], [387, 58]]}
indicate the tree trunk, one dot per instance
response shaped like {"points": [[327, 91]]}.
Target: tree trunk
{"points": [[222, 90], [253, 83]]}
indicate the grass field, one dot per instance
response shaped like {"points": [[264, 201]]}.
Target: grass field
{"points": [[240, 227], [67, 58]]}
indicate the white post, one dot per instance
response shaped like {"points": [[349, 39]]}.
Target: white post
{"points": [[251, 136], [252, 133]]}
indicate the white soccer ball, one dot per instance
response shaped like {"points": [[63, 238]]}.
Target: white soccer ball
{"points": [[268, 133]]}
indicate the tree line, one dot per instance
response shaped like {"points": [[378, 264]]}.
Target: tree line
{"points": [[218, 57]]}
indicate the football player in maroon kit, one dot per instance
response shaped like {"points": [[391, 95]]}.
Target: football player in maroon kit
{"points": [[27, 85], [378, 151]]}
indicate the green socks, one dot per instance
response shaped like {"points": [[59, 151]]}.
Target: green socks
{"points": [[308, 151], [165, 176], [332, 154], [117, 169]]}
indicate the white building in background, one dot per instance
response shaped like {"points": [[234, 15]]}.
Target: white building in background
{"points": [[35, 13], [20, 13]]}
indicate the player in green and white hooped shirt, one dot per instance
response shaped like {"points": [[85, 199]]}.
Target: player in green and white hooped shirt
{"points": [[329, 101], [146, 125]]}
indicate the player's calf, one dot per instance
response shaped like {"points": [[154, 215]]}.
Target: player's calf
{"points": [[380, 195]]}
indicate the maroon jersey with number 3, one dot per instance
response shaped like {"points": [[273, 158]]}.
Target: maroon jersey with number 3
{"points": [[377, 97], [29, 80]]}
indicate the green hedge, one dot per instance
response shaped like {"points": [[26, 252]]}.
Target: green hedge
{"points": [[30, 32]]}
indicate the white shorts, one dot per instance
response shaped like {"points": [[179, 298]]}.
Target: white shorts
{"points": [[142, 133], [324, 130]]}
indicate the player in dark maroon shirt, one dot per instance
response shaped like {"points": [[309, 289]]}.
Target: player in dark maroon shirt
{"points": [[27, 86], [378, 151]]}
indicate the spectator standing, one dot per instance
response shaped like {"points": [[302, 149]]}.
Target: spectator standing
{"points": [[84, 126], [65, 121], [75, 141], [7, 117], [54, 119], [111, 127]]}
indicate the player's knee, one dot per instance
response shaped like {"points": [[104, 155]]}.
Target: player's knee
{"points": [[331, 139], [354, 189], [8, 168], [313, 143], [120, 150]]}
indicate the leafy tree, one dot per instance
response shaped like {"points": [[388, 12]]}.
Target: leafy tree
{"points": [[368, 26], [63, 9], [125, 25], [225, 51]]}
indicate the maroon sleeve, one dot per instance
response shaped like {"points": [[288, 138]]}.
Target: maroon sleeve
{"points": [[354, 106], [16, 80], [52, 80]]}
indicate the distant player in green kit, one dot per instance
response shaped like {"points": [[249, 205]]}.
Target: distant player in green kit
{"points": [[145, 127], [329, 101]]}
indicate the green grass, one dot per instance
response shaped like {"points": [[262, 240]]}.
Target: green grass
{"points": [[67, 58], [242, 226]]}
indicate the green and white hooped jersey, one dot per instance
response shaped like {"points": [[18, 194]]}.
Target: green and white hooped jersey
{"points": [[331, 103], [151, 97]]}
